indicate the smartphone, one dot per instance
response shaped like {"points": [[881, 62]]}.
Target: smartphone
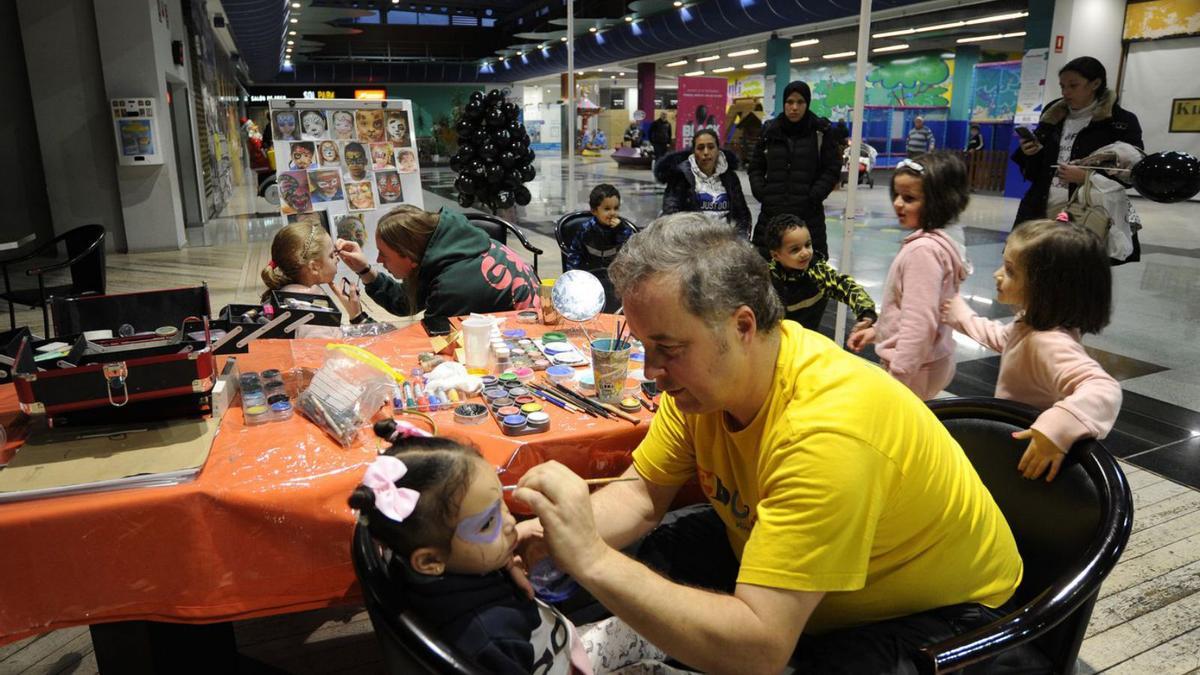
{"points": [[1025, 134], [436, 325]]}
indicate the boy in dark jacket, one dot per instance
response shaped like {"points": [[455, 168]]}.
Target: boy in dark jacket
{"points": [[598, 240], [805, 281]]}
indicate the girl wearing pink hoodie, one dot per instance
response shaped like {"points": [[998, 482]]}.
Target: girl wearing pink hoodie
{"points": [[914, 345], [1057, 275]]}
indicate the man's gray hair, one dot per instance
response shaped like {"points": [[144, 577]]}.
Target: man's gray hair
{"points": [[718, 271]]}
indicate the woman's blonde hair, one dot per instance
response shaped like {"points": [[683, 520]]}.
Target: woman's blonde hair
{"points": [[407, 230], [292, 249]]}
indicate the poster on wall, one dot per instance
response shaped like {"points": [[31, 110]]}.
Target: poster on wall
{"points": [[1033, 86], [702, 103], [342, 164], [994, 98]]}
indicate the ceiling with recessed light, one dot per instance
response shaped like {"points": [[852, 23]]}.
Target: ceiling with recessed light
{"points": [[380, 41]]}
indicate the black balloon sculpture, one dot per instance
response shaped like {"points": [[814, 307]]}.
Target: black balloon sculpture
{"points": [[1167, 177], [494, 160]]}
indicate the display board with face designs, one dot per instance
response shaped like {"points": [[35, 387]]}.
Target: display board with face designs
{"points": [[343, 164]]}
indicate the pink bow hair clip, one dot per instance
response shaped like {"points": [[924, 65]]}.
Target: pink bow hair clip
{"points": [[394, 502], [1063, 217], [407, 430]]}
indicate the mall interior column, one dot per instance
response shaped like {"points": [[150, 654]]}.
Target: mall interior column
{"points": [[1037, 36], [1088, 28], [135, 56], [646, 99], [779, 57], [965, 58]]}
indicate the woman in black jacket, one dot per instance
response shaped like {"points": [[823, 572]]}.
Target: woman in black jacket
{"points": [[704, 179], [1084, 120], [795, 166]]}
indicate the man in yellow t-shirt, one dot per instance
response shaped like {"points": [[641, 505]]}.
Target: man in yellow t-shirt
{"points": [[840, 507]]}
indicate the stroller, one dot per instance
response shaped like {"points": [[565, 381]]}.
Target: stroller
{"points": [[866, 162]]}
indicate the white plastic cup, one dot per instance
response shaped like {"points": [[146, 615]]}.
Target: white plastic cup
{"points": [[477, 332]]}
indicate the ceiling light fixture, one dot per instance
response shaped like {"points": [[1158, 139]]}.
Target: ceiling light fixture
{"points": [[995, 36], [291, 42], [694, 73], [291, 32], [295, 5], [744, 52], [592, 29], [805, 43], [799, 59], [563, 38], [501, 58], [295, 20], [706, 59], [678, 3], [954, 24], [629, 19], [621, 74], [676, 64], [726, 69], [837, 55], [520, 53], [892, 48], [753, 66]]}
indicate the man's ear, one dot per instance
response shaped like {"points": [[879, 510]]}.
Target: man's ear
{"points": [[427, 560], [745, 323]]}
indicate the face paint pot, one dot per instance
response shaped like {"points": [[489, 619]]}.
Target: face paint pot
{"points": [[470, 413], [560, 373], [541, 364], [538, 420], [554, 336], [507, 410], [527, 316], [518, 392], [514, 333], [630, 404], [513, 422], [501, 402], [531, 408], [522, 400], [489, 381], [495, 393], [524, 374]]}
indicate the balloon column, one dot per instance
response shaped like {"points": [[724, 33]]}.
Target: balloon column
{"points": [[493, 161], [1167, 177]]}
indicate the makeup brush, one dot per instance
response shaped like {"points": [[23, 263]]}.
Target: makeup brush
{"points": [[589, 481]]}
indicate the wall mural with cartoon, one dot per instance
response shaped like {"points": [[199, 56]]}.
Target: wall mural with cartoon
{"points": [[916, 80]]}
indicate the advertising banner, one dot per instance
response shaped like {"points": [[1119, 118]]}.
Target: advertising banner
{"points": [[702, 103]]}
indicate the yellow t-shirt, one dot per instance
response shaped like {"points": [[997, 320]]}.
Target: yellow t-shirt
{"points": [[845, 483]]}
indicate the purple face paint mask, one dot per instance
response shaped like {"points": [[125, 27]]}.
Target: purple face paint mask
{"points": [[483, 527]]}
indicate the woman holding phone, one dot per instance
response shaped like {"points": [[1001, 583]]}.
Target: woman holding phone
{"points": [[1085, 119]]}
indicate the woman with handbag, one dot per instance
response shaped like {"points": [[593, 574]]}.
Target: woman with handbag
{"points": [[1085, 119]]}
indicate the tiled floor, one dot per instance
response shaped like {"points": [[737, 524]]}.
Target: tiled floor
{"points": [[1149, 613]]}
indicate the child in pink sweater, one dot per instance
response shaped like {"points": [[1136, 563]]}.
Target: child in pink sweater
{"points": [[1057, 275], [928, 194]]}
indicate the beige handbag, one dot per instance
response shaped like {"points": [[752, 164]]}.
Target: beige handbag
{"points": [[1082, 210]]}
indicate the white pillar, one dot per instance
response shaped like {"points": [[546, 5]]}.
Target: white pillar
{"points": [[1088, 28]]}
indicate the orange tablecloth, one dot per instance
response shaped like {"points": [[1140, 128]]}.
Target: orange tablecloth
{"points": [[264, 529]]}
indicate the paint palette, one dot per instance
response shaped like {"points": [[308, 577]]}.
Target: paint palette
{"points": [[563, 353], [516, 411]]}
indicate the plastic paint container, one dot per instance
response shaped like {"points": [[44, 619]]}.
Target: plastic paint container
{"points": [[630, 404], [560, 373], [518, 392], [501, 402], [524, 374], [495, 393], [538, 420], [587, 380], [527, 316], [531, 408], [522, 400], [558, 348], [489, 381], [470, 413], [514, 333], [514, 421], [638, 357], [507, 378], [540, 364], [508, 410], [281, 410], [554, 336]]}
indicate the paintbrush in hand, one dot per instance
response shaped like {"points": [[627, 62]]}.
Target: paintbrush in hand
{"points": [[590, 481]]}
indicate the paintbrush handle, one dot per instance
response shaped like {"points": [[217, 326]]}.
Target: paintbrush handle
{"points": [[617, 411], [590, 481]]}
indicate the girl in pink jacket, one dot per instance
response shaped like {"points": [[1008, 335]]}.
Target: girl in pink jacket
{"points": [[914, 345], [1057, 275]]}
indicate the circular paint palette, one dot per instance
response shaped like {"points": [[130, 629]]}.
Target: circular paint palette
{"points": [[569, 359]]}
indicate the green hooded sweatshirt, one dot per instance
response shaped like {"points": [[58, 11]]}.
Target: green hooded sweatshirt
{"points": [[463, 271]]}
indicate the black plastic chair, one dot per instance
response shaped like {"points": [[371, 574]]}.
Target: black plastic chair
{"points": [[498, 228], [85, 258], [567, 225], [1070, 532], [408, 645]]}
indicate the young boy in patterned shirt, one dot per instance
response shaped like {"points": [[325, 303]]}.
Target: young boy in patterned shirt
{"points": [[805, 281]]}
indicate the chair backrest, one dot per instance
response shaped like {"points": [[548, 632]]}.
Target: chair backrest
{"points": [[408, 645], [1070, 532], [88, 274], [495, 227], [568, 224]]}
